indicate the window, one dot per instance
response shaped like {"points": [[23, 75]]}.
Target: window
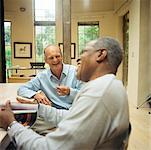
{"points": [[87, 31], [44, 26], [8, 53]]}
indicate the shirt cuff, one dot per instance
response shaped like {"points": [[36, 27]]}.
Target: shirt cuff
{"points": [[73, 93], [15, 128]]}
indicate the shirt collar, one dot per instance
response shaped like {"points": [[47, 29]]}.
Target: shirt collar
{"points": [[64, 71]]}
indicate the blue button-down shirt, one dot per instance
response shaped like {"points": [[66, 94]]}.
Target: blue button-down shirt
{"points": [[47, 82]]}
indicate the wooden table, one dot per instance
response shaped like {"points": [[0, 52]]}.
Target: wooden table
{"points": [[8, 91]]}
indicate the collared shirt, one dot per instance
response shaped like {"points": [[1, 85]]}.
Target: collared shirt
{"points": [[47, 82], [98, 119]]}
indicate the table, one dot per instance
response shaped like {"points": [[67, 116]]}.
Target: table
{"points": [[8, 91]]}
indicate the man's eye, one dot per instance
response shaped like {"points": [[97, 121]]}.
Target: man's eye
{"points": [[50, 58]]}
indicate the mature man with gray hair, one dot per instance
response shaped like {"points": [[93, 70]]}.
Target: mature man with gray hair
{"points": [[99, 116]]}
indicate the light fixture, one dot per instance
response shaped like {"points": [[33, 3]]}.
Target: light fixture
{"points": [[22, 9]]}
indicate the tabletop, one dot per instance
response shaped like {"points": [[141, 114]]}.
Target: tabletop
{"points": [[8, 91]]}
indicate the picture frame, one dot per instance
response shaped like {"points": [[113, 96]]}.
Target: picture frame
{"points": [[61, 47], [22, 50], [73, 49]]}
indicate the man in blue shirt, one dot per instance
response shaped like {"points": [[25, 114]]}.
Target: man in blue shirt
{"points": [[58, 84]]}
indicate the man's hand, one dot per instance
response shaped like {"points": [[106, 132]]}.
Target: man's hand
{"points": [[63, 90], [6, 115], [41, 98]]}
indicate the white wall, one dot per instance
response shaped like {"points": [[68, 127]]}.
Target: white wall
{"points": [[133, 70], [143, 84], [138, 73], [139, 48], [110, 25], [59, 36], [22, 28], [149, 56]]}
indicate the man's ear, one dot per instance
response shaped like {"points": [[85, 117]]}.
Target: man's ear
{"points": [[102, 54]]}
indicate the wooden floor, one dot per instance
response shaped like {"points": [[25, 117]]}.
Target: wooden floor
{"points": [[140, 138]]}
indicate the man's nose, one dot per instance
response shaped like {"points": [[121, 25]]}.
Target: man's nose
{"points": [[55, 59]]}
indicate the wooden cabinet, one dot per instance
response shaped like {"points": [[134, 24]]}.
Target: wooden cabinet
{"points": [[13, 79], [21, 74]]}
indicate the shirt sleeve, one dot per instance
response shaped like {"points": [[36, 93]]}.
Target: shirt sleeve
{"points": [[30, 88], [51, 114], [74, 91], [85, 122]]}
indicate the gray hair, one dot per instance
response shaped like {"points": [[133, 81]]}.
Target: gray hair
{"points": [[114, 49]]}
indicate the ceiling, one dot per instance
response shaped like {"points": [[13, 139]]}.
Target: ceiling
{"points": [[82, 6], [77, 6]]}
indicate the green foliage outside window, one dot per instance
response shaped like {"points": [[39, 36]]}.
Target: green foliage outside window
{"points": [[87, 33], [44, 26], [8, 56], [8, 53], [45, 35]]}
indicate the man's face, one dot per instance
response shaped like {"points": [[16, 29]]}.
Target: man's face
{"points": [[87, 64], [53, 57]]}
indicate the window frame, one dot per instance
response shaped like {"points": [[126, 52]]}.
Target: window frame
{"points": [[87, 23], [42, 24]]}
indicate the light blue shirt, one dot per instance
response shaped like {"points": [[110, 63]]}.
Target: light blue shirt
{"points": [[47, 82]]}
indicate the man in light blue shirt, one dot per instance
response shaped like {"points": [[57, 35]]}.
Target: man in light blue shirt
{"points": [[58, 83]]}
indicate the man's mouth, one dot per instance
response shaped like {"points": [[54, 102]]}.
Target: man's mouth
{"points": [[56, 64]]}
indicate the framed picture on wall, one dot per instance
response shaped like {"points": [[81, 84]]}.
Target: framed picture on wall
{"points": [[73, 49], [61, 47], [22, 50]]}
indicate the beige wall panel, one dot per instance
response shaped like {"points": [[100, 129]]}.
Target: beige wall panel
{"points": [[22, 28], [149, 56], [105, 20], [143, 84], [59, 37], [134, 36]]}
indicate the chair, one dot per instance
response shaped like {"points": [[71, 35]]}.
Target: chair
{"points": [[126, 140]]}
